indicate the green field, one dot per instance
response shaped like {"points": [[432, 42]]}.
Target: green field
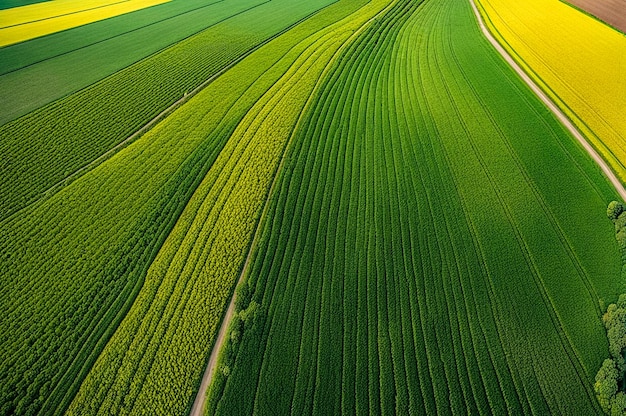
{"points": [[412, 231], [437, 244], [48, 145], [215, 229], [51, 67], [106, 228]]}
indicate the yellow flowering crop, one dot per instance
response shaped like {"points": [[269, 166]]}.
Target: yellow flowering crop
{"points": [[579, 61], [27, 22]]}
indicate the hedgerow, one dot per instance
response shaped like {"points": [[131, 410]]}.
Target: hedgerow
{"points": [[609, 382]]}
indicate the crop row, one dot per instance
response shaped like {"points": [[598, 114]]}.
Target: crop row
{"points": [[14, 17], [49, 144], [73, 264], [98, 50], [14, 58], [146, 364], [421, 254], [577, 60]]}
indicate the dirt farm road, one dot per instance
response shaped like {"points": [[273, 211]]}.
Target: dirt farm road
{"points": [[617, 184]]}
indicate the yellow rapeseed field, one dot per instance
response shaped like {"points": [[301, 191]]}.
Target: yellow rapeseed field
{"points": [[579, 61], [27, 22]]}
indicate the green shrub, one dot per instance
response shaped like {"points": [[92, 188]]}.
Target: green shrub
{"points": [[614, 210]]}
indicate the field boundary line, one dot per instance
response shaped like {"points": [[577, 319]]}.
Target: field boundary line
{"points": [[156, 22], [593, 16], [200, 401], [158, 118], [583, 126], [558, 113]]}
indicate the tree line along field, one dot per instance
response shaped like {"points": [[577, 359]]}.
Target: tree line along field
{"points": [[414, 232]]}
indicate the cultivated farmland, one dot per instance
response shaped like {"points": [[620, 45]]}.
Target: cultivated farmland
{"points": [[206, 248], [68, 134], [100, 49], [22, 24], [579, 61], [397, 224], [411, 226], [609, 11], [141, 191]]}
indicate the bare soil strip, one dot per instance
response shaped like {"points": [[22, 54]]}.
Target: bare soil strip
{"points": [[611, 12], [551, 106]]}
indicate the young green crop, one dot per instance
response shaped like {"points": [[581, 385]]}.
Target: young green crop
{"points": [[44, 147], [72, 265], [436, 243], [145, 366], [578, 61], [79, 57]]}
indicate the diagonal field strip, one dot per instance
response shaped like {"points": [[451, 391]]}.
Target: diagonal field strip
{"points": [[551, 106], [15, 30], [24, 18], [109, 37]]}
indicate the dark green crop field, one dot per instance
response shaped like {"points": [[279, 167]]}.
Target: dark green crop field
{"points": [[240, 207], [48, 68]]}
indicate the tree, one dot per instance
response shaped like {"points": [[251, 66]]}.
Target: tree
{"points": [[618, 404], [614, 210], [615, 323], [606, 384], [243, 295]]}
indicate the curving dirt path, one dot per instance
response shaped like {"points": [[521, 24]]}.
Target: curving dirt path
{"points": [[617, 184]]}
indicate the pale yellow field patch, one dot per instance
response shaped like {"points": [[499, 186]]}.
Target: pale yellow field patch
{"points": [[27, 22]]}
